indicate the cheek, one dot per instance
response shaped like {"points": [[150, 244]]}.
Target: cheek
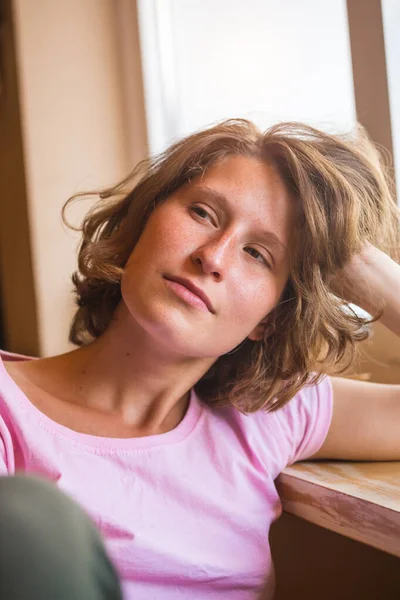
{"points": [[165, 232], [254, 301], [159, 247]]}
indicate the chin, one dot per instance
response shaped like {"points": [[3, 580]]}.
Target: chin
{"points": [[166, 327]]}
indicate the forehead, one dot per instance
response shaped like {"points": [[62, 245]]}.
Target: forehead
{"points": [[253, 189], [247, 175]]}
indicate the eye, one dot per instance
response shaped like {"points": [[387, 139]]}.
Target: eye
{"points": [[258, 256], [201, 212]]}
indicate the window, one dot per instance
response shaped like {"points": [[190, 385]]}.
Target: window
{"points": [[391, 24], [266, 60]]}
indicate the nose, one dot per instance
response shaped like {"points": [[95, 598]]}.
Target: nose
{"points": [[215, 256]]}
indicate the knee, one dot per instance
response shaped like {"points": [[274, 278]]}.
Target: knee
{"points": [[47, 532], [32, 508], [32, 496], [19, 492]]}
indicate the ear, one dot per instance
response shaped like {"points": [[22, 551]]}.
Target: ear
{"points": [[261, 331]]}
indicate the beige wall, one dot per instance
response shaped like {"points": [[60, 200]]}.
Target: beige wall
{"points": [[370, 69], [73, 136], [379, 357]]}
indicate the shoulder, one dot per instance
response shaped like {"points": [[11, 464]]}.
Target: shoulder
{"points": [[11, 414], [279, 438], [9, 357], [16, 370], [13, 364], [305, 420], [297, 430]]}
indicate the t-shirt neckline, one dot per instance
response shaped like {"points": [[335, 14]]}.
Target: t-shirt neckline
{"points": [[176, 435]]}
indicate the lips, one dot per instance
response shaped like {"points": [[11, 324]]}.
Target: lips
{"points": [[194, 289]]}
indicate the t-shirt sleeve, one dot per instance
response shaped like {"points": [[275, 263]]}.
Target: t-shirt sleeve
{"points": [[5, 444], [303, 423]]}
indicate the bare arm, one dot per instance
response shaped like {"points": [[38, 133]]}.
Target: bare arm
{"points": [[372, 279], [366, 416]]}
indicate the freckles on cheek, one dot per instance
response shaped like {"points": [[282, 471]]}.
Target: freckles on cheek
{"points": [[174, 237], [170, 242], [256, 301], [248, 298]]}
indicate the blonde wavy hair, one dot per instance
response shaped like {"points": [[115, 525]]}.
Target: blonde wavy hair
{"points": [[346, 199]]}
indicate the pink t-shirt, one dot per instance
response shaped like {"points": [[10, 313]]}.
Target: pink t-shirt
{"points": [[185, 514]]}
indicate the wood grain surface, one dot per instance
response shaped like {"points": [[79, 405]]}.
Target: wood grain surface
{"points": [[358, 500]]}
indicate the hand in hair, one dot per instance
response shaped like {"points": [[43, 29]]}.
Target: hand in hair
{"points": [[371, 280]]}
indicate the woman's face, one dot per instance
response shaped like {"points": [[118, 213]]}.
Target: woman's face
{"points": [[228, 233]]}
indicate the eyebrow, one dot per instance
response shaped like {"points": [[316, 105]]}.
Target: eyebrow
{"points": [[270, 236]]}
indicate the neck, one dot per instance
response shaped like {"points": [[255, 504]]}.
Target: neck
{"points": [[126, 374]]}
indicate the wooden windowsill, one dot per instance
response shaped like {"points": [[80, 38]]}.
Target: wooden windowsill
{"points": [[358, 500]]}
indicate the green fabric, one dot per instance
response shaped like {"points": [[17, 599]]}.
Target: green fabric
{"points": [[49, 548]]}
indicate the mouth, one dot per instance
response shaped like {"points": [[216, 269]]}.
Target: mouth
{"points": [[192, 294]]}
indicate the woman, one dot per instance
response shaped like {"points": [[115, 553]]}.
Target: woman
{"points": [[212, 313]]}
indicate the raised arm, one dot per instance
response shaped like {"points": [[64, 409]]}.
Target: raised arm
{"points": [[366, 416]]}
